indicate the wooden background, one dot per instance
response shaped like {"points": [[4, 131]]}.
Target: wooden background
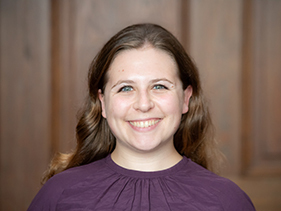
{"points": [[46, 49]]}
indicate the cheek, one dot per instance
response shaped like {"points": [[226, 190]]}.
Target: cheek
{"points": [[117, 107], [169, 103]]}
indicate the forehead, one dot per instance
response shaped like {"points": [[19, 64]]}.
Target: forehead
{"points": [[147, 60]]}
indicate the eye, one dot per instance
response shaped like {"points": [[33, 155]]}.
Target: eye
{"points": [[159, 86], [126, 89]]}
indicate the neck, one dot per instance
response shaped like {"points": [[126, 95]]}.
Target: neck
{"points": [[146, 161]]}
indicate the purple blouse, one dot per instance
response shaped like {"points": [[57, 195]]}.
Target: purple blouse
{"points": [[103, 185]]}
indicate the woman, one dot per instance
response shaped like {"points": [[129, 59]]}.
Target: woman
{"points": [[144, 139]]}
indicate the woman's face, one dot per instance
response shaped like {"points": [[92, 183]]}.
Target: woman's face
{"points": [[143, 100]]}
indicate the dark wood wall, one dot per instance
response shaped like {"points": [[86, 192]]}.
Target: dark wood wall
{"points": [[47, 46], [25, 96]]}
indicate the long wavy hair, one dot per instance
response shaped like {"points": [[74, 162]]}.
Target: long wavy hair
{"points": [[194, 137]]}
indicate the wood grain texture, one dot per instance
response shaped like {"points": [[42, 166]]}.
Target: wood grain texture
{"points": [[215, 44], [25, 100], [265, 89], [64, 73]]}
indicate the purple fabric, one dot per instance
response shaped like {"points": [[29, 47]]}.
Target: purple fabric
{"points": [[103, 185]]}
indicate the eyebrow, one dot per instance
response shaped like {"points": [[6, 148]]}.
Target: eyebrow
{"points": [[123, 82], [161, 79]]}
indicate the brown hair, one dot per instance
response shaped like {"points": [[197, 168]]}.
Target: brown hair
{"points": [[194, 138]]}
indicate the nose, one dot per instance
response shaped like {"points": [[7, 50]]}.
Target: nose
{"points": [[143, 102]]}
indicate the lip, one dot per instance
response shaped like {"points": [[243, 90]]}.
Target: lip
{"points": [[145, 124]]}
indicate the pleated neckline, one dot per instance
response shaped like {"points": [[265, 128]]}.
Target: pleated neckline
{"points": [[145, 174]]}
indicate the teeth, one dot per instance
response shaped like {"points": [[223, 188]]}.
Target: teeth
{"points": [[144, 124]]}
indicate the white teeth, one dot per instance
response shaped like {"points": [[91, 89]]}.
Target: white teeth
{"points": [[144, 124]]}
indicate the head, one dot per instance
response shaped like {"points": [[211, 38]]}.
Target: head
{"points": [[136, 37]]}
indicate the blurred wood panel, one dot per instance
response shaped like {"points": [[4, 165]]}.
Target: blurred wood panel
{"points": [[264, 88], [25, 100], [64, 73], [215, 43], [238, 54]]}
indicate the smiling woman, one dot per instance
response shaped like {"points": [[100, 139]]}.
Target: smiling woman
{"points": [[144, 138], [151, 101]]}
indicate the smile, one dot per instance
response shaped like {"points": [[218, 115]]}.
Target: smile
{"points": [[144, 124]]}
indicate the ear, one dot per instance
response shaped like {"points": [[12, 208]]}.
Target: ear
{"points": [[101, 98], [187, 96]]}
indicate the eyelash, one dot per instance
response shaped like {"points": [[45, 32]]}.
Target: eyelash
{"points": [[160, 85], [122, 89], [125, 88]]}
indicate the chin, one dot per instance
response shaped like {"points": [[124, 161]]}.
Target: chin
{"points": [[147, 148]]}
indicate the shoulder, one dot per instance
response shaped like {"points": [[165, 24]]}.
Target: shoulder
{"points": [[227, 193], [78, 174], [49, 195]]}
